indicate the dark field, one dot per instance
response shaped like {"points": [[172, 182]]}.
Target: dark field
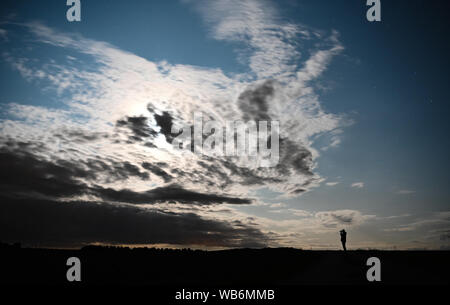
{"points": [[278, 266]]}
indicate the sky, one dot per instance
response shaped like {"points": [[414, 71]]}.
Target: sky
{"points": [[87, 110]]}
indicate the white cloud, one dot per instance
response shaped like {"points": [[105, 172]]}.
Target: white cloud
{"points": [[269, 44], [358, 185], [332, 183], [277, 205]]}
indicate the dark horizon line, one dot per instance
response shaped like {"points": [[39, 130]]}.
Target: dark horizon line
{"points": [[18, 245]]}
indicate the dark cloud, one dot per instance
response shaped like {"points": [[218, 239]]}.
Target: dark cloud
{"points": [[294, 157], [249, 176], [298, 191], [23, 173], [254, 102], [126, 169], [343, 218], [171, 193], [165, 121], [445, 236], [51, 223], [156, 169], [139, 127], [213, 168], [37, 205], [141, 130], [332, 219], [26, 175], [80, 136], [112, 170]]}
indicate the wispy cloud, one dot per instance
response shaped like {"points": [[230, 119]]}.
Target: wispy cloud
{"points": [[405, 192], [334, 219], [3, 34], [357, 185], [270, 48], [426, 230]]}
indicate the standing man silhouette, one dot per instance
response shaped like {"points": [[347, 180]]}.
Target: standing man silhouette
{"points": [[343, 238]]}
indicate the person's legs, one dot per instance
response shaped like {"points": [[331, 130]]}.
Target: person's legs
{"points": [[343, 245]]}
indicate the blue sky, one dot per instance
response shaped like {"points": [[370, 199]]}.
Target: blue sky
{"points": [[381, 167]]}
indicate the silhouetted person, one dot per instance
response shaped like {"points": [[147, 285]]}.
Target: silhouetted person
{"points": [[343, 238]]}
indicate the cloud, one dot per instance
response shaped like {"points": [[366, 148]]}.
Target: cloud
{"points": [[77, 223], [171, 193], [405, 192], [334, 219], [436, 221], [253, 102], [332, 183], [359, 185], [4, 34], [300, 213], [138, 125], [107, 139], [270, 49], [25, 175], [317, 229], [158, 170], [96, 101], [427, 230], [165, 122], [38, 193]]}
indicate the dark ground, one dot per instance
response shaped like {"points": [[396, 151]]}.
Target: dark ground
{"points": [[278, 266]]}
